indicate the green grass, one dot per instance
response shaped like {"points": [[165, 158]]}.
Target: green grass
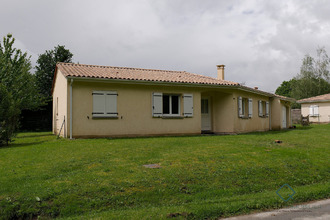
{"points": [[200, 177]]}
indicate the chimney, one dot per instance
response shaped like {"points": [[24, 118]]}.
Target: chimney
{"points": [[221, 72]]}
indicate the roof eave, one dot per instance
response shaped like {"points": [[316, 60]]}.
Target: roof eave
{"points": [[314, 101]]}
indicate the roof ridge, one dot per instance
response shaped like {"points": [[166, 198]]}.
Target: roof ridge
{"points": [[210, 77], [118, 67]]}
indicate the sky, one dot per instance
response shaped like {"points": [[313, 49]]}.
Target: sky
{"points": [[261, 43]]}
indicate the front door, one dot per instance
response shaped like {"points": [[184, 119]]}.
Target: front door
{"points": [[283, 117], [206, 114]]}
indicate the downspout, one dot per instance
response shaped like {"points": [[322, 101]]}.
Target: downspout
{"points": [[71, 108], [270, 115]]}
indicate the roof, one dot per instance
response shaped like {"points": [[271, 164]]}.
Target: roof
{"points": [[125, 73], [320, 98], [148, 75]]}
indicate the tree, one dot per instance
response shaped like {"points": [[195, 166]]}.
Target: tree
{"points": [[18, 90], [313, 79], [9, 116], [45, 68], [15, 75], [285, 89]]}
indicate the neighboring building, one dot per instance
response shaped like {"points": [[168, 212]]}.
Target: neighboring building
{"points": [[100, 101], [317, 107]]}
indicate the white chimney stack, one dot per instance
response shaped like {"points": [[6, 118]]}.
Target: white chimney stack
{"points": [[221, 72]]}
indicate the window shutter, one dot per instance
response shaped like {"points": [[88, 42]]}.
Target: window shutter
{"points": [[267, 109], [188, 105], [311, 110], [98, 104], [111, 103], [240, 107], [157, 104], [316, 110], [260, 108], [250, 108]]}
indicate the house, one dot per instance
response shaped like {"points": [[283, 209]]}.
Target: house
{"points": [[317, 108], [101, 101]]}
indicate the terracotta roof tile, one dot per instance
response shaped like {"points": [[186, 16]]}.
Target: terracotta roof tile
{"points": [[125, 73], [320, 98], [137, 74]]}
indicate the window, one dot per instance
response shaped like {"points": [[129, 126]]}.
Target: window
{"points": [[169, 105], [105, 104], [314, 110], [263, 107], [245, 107]]}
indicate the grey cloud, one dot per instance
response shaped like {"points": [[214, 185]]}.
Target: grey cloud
{"points": [[260, 42]]}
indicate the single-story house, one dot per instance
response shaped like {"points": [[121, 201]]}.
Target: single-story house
{"points": [[317, 108], [105, 101]]}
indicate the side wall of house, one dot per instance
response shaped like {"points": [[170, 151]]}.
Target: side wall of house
{"points": [[249, 124], [134, 107], [60, 105], [277, 115], [324, 112]]}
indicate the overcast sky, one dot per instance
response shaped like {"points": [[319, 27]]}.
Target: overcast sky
{"points": [[261, 43]]}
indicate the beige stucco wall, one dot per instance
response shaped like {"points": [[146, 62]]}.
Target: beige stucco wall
{"points": [[60, 104], [134, 105], [276, 113], [255, 123], [324, 112], [223, 109]]}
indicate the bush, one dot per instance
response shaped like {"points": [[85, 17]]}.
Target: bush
{"points": [[9, 116]]}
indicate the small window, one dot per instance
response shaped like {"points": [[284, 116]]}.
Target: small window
{"points": [[314, 110], [263, 107], [105, 104], [245, 107], [171, 105]]}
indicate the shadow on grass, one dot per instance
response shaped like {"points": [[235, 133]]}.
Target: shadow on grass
{"points": [[12, 145], [279, 131], [34, 135]]}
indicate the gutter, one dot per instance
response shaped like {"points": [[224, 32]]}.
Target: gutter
{"points": [[146, 82]]}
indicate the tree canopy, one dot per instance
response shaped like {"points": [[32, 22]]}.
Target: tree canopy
{"points": [[46, 65], [313, 79], [18, 89], [15, 75]]}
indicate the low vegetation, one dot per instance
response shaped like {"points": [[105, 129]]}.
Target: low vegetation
{"points": [[199, 177]]}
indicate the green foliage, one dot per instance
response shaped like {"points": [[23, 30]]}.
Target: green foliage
{"points": [[200, 177], [9, 114], [45, 68], [18, 90], [15, 75], [285, 89], [313, 79]]}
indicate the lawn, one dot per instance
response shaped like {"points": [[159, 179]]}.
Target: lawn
{"points": [[200, 176]]}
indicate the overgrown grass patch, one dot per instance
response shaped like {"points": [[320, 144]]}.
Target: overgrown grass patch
{"points": [[200, 177]]}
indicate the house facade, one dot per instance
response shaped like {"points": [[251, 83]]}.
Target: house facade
{"points": [[102, 101], [317, 108]]}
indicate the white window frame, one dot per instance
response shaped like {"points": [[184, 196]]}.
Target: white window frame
{"points": [[263, 108], [245, 107], [315, 110], [105, 113], [170, 105]]}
